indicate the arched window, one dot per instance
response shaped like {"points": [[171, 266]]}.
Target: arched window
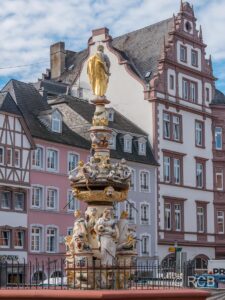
{"points": [[201, 262], [56, 121]]}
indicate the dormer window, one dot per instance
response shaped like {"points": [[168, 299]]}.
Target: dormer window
{"points": [[111, 115], [142, 146], [56, 121], [112, 141], [128, 143]]}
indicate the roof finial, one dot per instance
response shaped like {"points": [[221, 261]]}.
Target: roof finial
{"points": [[174, 22], [181, 5], [210, 61], [163, 55], [200, 33]]}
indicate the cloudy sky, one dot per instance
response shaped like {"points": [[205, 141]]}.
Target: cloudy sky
{"points": [[29, 27]]}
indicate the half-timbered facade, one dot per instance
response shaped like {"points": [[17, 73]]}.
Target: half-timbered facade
{"points": [[161, 80], [16, 144]]}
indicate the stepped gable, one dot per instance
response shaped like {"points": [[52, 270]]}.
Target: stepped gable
{"points": [[32, 105], [120, 124]]}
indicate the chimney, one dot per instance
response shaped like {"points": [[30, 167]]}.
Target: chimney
{"points": [[57, 59]]}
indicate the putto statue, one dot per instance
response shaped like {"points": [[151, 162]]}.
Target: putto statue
{"points": [[98, 72]]}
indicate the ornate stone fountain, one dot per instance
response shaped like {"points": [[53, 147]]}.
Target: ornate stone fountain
{"points": [[99, 241]]}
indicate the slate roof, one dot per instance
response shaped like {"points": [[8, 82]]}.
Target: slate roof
{"points": [[141, 48], [120, 124], [31, 104], [219, 98], [7, 104]]}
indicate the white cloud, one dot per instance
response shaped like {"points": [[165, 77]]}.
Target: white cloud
{"points": [[29, 27]]}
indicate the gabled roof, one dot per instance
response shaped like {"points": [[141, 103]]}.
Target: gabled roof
{"points": [[141, 48], [86, 110], [219, 98], [7, 104], [31, 104], [120, 124]]}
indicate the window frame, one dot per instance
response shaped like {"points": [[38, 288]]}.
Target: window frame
{"points": [[184, 49], [24, 197], [68, 160], [194, 63], [172, 157], [9, 239], [129, 207], [221, 138], [199, 216], [217, 221], [202, 132], [57, 160], [143, 220], [200, 161], [42, 159], [133, 187], [41, 188], [171, 126], [143, 236], [51, 227], [56, 118], [127, 141], [40, 235], [9, 200], [56, 198], [187, 88], [217, 174], [148, 181], [171, 203], [16, 238]]}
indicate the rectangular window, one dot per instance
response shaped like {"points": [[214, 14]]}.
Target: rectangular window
{"points": [[144, 214], [36, 239], [166, 167], [177, 215], [194, 58], [218, 138], [9, 156], [130, 210], [37, 157], [52, 160], [19, 201], [17, 158], [193, 92], [145, 245], [37, 194], [167, 214], [19, 239], [199, 134], [220, 222], [166, 125], [176, 128], [183, 53], [127, 145], [199, 175], [141, 148], [51, 240], [4, 239], [219, 180], [73, 204], [132, 180], [72, 161], [200, 219], [1, 155], [207, 95], [177, 170], [5, 199], [185, 89], [171, 84], [51, 199], [144, 180]]}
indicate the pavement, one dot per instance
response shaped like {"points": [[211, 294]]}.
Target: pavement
{"points": [[216, 294]]}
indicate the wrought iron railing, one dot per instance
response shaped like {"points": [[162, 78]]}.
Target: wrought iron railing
{"points": [[56, 274]]}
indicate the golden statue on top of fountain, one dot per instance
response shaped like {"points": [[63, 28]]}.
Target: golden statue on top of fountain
{"points": [[98, 72]]}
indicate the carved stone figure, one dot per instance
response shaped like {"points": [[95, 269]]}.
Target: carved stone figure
{"points": [[98, 71], [108, 233], [127, 238]]}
